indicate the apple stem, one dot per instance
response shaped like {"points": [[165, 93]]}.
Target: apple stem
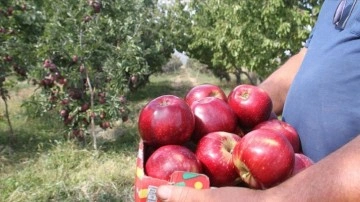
{"points": [[244, 95]]}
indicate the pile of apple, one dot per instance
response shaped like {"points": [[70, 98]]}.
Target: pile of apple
{"points": [[235, 139]]}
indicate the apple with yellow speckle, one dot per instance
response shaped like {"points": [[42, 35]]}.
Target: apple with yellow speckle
{"points": [[263, 158], [214, 152]]}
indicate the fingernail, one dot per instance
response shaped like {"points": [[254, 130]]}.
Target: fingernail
{"points": [[163, 192]]}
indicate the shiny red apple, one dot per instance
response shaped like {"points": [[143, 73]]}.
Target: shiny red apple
{"points": [[204, 90], [214, 152], [301, 162], [283, 128], [251, 104], [169, 158], [165, 120], [211, 115], [263, 158]]}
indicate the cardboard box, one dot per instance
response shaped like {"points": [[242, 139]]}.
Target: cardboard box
{"points": [[145, 186]]}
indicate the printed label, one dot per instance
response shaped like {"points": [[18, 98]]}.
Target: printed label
{"points": [[151, 194]]}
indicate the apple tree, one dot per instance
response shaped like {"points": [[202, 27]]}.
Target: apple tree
{"points": [[243, 36], [20, 25], [91, 54]]}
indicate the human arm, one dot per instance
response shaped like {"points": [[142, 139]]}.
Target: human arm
{"points": [[334, 178], [278, 83]]}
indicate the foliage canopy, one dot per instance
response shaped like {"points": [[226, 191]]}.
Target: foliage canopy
{"points": [[242, 36]]}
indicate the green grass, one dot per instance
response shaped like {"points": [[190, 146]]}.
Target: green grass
{"points": [[67, 173], [43, 166]]}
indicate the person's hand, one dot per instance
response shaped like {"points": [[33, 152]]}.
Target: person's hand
{"points": [[169, 193]]}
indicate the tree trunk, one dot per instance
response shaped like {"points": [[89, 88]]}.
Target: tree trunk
{"points": [[238, 75], [92, 109], [249, 77], [11, 136]]}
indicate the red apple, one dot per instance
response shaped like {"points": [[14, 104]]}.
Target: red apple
{"points": [[263, 158], [284, 128], [214, 152], [102, 115], [204, 90], [96, 6], [65, 101], [134, 79], [301, 162], [166, 119], [251, 104], [64, 113], [87, 18], [211, 115], [102, 100], [10, 11], [84, 107], [75, 58], [105, 125], [47, 63], [169, 158]]}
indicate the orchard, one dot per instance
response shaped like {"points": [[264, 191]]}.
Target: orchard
{"points": [[83, 57]]}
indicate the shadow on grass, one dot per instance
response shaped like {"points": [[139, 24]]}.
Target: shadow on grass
{"points": [[33, 135], [128, 142]]}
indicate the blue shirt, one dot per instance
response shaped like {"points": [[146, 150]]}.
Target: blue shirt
{"points": [[323, 103]]}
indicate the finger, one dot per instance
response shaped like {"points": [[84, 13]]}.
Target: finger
{"points": [[169, 193]]}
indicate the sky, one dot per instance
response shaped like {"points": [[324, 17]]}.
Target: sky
{"points": [[183, 58]]}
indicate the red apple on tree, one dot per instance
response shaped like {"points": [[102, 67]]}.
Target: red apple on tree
{"points": [[87, 18], [134, 79], [10, 10], [65, 101], [64, 113], [96, 6], [166, 119], [211, 115], [47, 63], [204, 90], [75, 58], [263, 158], [102, 115], [105, 124], [214, 152], [84, 107], [169, 158], [284, 128], [251, 104], [301, 162]]}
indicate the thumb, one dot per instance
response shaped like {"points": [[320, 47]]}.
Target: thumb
{"points": [[170, 193]]}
